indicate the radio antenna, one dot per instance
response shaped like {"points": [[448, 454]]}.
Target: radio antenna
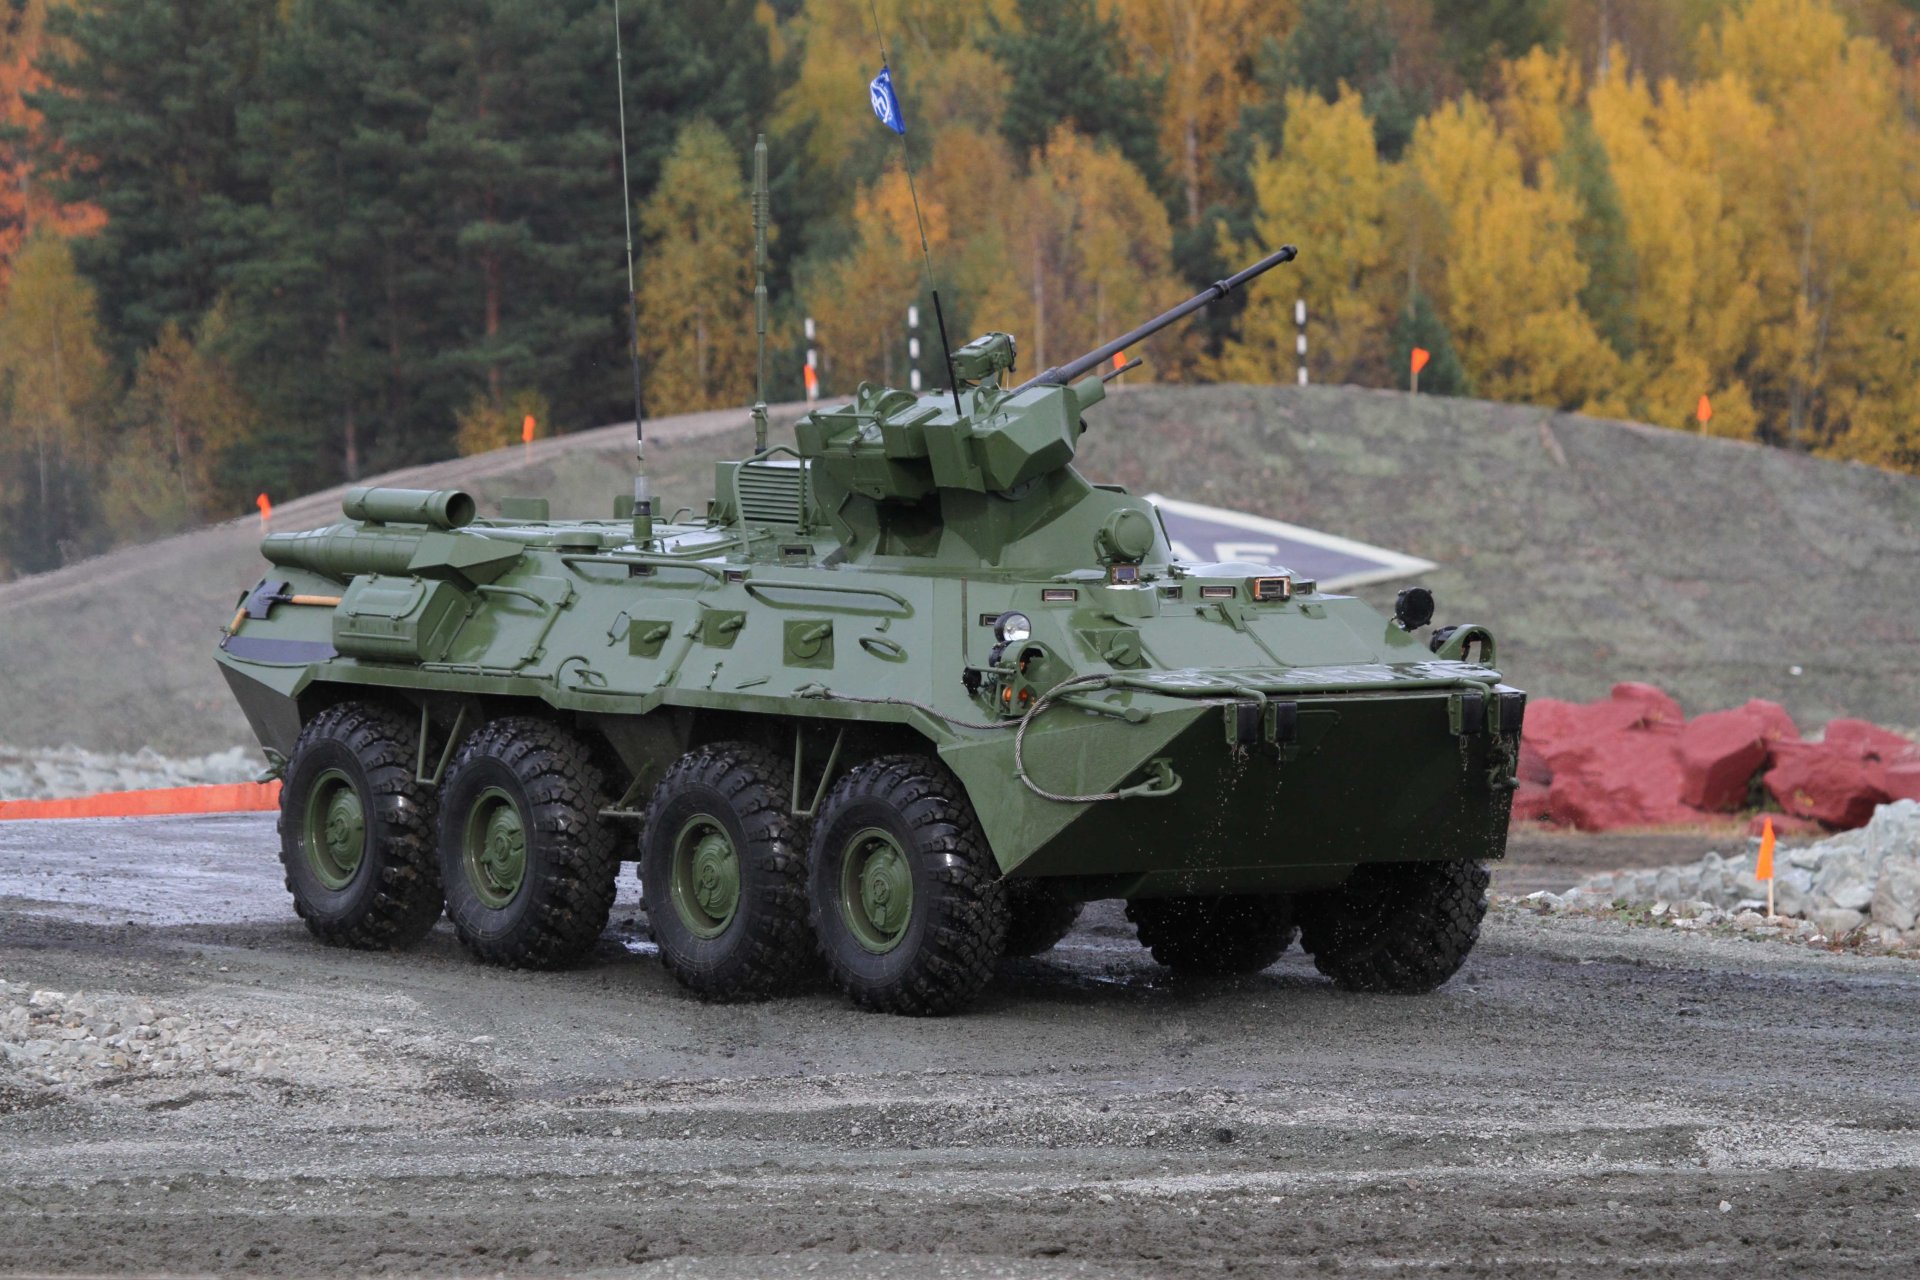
{"points": [[642, 492], [762, 201], [926, 257]]}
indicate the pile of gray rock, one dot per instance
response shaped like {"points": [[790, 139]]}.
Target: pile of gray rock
{"points": [[1862, 885], [57, 1038], [53, 773]]}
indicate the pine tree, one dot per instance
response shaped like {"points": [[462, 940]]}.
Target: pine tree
{"points": [[142, 121], [1477, 34], [1418, 325], [27, 200], [1067, 66]]}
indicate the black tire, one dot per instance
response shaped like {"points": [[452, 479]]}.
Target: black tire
{"points": [[527, 860], [724, 870], [354, 766], [1398, 927], [903, 824], [1038, 916], [1214, 936]]}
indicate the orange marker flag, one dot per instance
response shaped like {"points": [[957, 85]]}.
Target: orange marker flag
{"points": [[527, 427], [1420, 357], [1763, 867], [266, 510], [1703, 413], [1119, 359], [812, 380]]}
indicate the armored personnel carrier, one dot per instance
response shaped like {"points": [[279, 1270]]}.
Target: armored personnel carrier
{"points": [[909, 693]]}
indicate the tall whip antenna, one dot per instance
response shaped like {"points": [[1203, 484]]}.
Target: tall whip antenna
{"points": [[761, 202], [926, 257], [642, 492]]}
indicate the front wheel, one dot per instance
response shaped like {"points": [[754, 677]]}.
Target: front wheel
{"points": [[1396, 927], [528, 862], [356, 830], [905, 902]]}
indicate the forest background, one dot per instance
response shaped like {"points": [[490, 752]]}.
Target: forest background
{"points": [[264, 245]]}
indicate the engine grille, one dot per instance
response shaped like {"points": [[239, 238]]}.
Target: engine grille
{"points": [[773, 492]]}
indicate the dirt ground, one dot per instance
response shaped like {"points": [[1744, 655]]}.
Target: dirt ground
{"points": [[1586, 1099]]}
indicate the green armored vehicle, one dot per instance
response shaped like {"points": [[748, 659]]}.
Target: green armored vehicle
{"points": [[911, 692]]}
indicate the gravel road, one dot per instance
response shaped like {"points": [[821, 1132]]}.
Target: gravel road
{"points": [[1587, 1099]]}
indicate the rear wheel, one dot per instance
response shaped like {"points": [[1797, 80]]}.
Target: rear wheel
{"points": [[528, 862], [905, 898], [356, 830], [723, 866], [1214, 936], [1038, 916], [1399, 927]]}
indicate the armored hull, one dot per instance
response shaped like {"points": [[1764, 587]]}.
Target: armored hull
{"points": [[905, 695]]}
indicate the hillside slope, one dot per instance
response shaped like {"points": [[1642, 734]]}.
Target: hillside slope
{"points": [[1598, 551]]}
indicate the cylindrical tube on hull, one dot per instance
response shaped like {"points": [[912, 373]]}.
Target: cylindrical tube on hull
{"points": [[435, 508]]}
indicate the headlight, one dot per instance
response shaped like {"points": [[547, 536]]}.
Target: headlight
{"points": [[1012, 628]]}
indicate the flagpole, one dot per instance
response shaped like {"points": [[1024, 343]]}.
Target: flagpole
{"points": [[926, 255]]}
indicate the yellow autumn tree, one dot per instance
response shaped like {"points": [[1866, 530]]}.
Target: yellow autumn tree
{"points": [[1203, 50], [1695, 282], [1508, 273], [860, 302], [696, 279], [1326, 191], [1538, 88], [487, 424], [1831, 185], [1088, 254], [945, 74], [181, 419], [53, 374]]}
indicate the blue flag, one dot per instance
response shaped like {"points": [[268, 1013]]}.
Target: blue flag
{"points": [[885, 104]]}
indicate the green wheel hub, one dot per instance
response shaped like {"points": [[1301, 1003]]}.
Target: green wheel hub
{"points": [[494, 849], [876, 890], [706, 877], [335, 830]]}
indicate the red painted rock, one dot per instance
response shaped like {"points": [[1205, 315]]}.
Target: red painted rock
{"points": [[1533, 762], [1776, 724], [1826, 782], [1655, 705], [1623, 779], [1550, 722], [1784, 824], [1867, 741], [1720, 753], [1903, 780], [1530, 803]]}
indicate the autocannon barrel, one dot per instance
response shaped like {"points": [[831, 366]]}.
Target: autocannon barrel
{"points": [[1061, 375], [435, 508]]}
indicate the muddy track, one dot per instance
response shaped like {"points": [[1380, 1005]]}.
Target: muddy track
{"points": [[1583, 1100]]}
